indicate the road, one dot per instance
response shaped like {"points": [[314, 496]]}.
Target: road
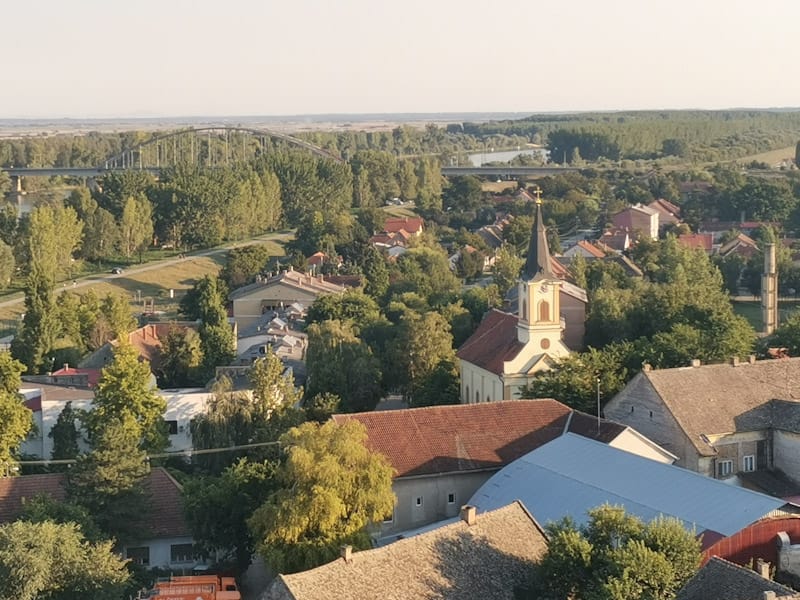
{"points": [[89, 280]]}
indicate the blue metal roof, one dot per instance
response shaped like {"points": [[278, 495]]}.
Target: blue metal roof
{"points": [[573, 474]]}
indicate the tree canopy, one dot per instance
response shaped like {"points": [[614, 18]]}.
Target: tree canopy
{"points": [[616, 556], [330, 488]]}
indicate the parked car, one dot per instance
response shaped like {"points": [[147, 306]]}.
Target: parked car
{"points": [[116, 271]]}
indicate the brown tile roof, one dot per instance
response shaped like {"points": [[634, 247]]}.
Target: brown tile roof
{"points": [[723, 580], [741, 244], [468, 437], [703, 241], [290, 278], [166, 514], [494, 342], [716, 399], [667, 211], [14, 491], [486, 560]]}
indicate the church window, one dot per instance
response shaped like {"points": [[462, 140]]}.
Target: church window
{"points": [[544, 311], [524, 313], [467, 394], [477, 397]]}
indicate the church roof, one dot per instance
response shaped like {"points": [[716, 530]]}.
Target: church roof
{"points": [[537, 265], [493, 343]]}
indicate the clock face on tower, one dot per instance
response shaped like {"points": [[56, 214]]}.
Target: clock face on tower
{"points": [[545, 343]]}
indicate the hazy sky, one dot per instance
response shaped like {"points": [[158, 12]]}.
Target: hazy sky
{"points": [[100, 58]]}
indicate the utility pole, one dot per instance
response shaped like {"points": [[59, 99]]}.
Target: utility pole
{"points": [[598, 404]]}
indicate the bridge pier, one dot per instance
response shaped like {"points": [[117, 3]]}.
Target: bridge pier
{"points": [[15, 196]]}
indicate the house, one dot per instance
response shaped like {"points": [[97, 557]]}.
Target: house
{"points": [[442, 454], [572, 474], [668, 213], [67, 376], [701, 241], [638, 218], [146, 340], [493, 234], [167, 543], [506, 351], [616, 240], [47, 401], [586, 249], [410, 225], [485, 556], [693, 189], [272, 293], [742, 245], [720, 579], [719, 420]]}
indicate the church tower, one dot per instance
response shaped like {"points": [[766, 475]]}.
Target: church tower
{"points": [[539, 317]]}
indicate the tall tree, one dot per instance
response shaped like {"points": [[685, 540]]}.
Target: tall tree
{"points": [[14, 415], [217, 508], [108, 481], [135, 226], [338, 361], [37, 335], [65, 434], [331, 488], [181, 357], [506, 268], [125, 393], [54, 562], [6, 265]]}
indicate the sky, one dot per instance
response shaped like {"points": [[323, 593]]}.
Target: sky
{"points": [[151, 58]]}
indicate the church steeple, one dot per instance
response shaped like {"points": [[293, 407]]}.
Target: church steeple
{"points": [[537, 265]]}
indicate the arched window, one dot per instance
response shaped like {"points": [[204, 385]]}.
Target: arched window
{"points": [[466, 396], [524, 313], [477, 396], [544, 311], [487, 399]]}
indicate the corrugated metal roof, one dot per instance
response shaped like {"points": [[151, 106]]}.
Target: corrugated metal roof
{"points": [[572, 474]]}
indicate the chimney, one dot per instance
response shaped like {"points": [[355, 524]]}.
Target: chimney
{"points": [[751, 359], [347, 553], [66, 366], [469, 514], [695, 362], [735, 361], [762, 567]]}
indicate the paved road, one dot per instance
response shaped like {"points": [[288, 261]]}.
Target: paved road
{"points": [[89, 280]]}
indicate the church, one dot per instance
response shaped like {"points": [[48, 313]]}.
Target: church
{"points": [[509, 348]]}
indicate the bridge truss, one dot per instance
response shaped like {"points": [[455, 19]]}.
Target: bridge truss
{"points": [[207, 147]]}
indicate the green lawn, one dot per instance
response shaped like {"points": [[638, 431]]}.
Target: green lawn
{"points": [[751, 310]]}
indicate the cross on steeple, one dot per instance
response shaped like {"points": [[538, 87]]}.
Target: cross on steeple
{"points": [[538, 193]]}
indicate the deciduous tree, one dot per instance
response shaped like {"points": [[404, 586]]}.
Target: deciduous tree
{"points": [[14, 415], [331, 488]]}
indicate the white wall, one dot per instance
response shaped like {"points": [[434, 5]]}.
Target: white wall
{"points": [[475, 379], [635, 443], [39, 443], [160, 552], [786, 453]]}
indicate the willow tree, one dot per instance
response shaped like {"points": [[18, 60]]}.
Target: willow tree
{"points": [[331, 488]]}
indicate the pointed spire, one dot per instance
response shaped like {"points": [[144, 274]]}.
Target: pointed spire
{"points": [[537, 265]]}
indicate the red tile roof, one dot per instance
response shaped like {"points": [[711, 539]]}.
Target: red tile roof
{"points": [[410, 224], [166, 506], [493, 343], [467, 437], [591, 248], [93, 375]]}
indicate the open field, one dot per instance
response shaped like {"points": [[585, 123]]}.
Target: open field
{"points": [[751, 310], [148, 282], [772, 157], [400, 211], [497, 187]]}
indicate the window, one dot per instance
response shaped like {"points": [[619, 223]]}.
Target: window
{"points": [[418, 501], [724, 468], [172, 427], [181, 553], [467, 394], [544, 311], [477, 397], [390, 519], [524, 314], [748, 463], [139, 555], [451, 498]]}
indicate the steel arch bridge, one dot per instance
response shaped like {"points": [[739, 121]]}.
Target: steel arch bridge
{"points": [[212, 146]]}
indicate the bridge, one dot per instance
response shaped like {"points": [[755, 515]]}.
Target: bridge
{"points": [[506, 171], [205, 146]]}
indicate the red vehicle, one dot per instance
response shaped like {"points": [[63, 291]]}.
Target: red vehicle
{"points": [[196, 587]]}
